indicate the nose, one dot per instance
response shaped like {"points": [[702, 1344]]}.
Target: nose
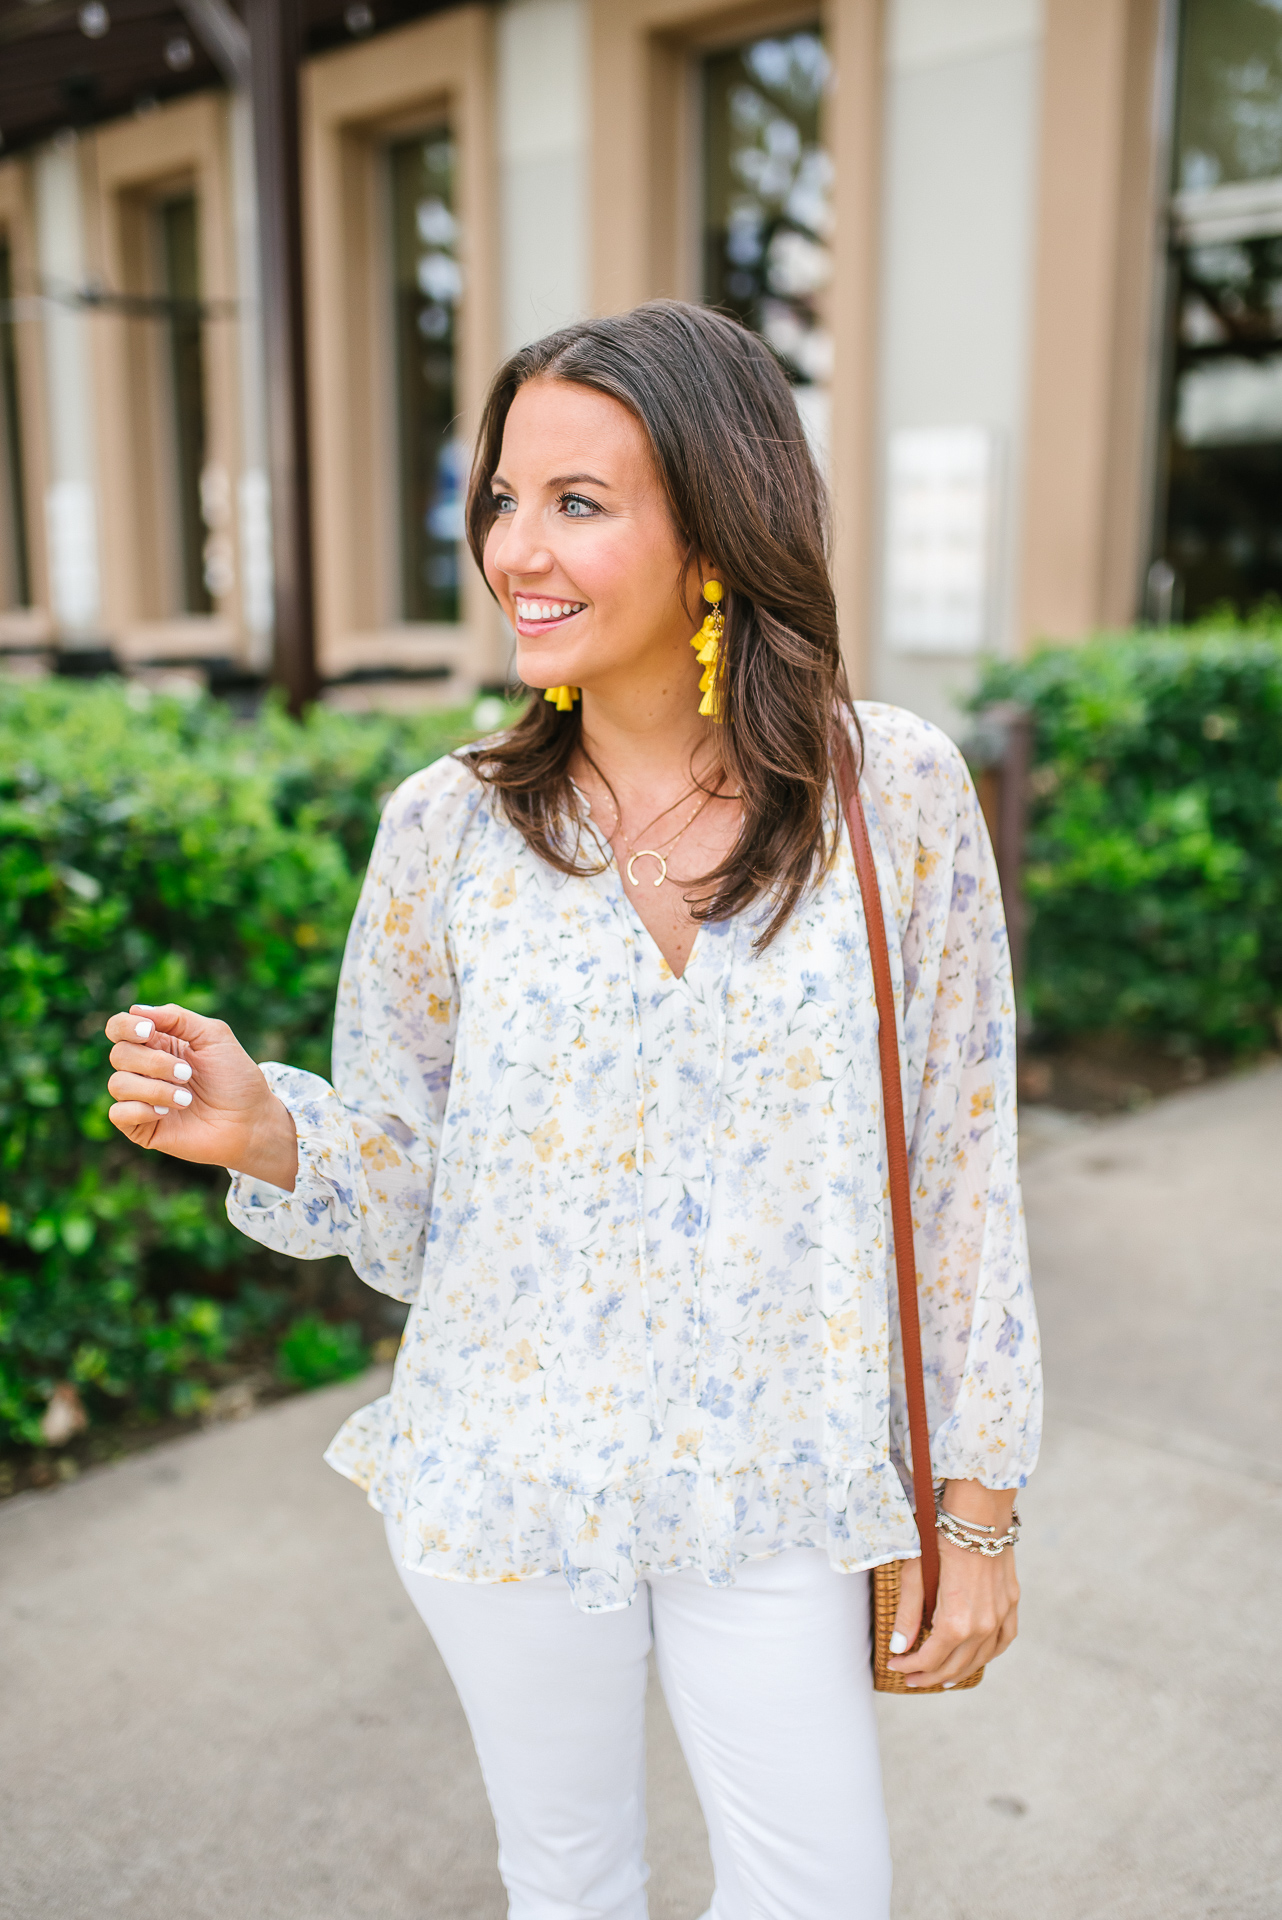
{"points": [[517, 549]]}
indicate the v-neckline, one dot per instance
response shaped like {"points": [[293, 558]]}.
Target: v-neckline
{"points": [[622, 893], [645, 933]]}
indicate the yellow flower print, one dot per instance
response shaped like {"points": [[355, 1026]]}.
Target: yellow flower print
{"points": [[546, 1139], [843, 1328], [521, 1361], [803, 1068], [379, 1154], [926, 862], [793, 1022]]}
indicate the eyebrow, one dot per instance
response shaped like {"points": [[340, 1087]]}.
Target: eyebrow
{"points": [[562, 480]]}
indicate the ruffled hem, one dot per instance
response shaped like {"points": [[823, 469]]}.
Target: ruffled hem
{"points": [[460, 1521]]}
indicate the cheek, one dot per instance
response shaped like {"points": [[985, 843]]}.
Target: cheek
{"points": [[622, 575]]}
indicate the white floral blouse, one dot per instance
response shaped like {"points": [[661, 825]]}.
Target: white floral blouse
{"points": [[642, 1220]]}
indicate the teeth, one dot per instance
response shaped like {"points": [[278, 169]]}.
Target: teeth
{"points": [[549, 609]]}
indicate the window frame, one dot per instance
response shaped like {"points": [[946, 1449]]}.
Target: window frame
{"points": [[32, 625], [356, 101], [647, 211], [130, 168]]}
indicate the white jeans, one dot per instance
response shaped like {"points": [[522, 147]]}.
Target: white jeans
{"points": [[769, 1689]]}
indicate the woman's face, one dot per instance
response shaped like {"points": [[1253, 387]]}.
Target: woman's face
{"points": [[583, 555]]}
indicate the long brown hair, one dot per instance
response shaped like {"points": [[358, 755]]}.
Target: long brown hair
{"points": [[744, 492]]}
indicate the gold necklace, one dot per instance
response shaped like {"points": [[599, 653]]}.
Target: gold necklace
{"points": [[661, 852]]}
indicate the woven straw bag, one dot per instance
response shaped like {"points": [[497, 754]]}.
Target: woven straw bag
{"points": [[885, 1579]]}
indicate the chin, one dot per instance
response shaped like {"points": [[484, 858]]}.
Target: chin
{"points": [[539, 673]]}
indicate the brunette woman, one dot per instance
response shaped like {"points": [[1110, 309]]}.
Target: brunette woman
{"points": [[606, 1111]]}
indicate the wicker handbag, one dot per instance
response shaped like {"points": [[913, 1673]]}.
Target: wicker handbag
{"points": [[885, 1579]]}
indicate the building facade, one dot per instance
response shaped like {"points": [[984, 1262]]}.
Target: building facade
{"points": [[1021, 258]]}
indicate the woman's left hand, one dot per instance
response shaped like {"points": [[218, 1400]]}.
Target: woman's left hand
{"points": [[977, 1613]]}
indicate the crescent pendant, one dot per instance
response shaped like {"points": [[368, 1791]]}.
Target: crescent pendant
{"points": [[647, 853]]}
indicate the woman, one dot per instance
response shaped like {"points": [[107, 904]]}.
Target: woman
{"points": [[606, 1111]]}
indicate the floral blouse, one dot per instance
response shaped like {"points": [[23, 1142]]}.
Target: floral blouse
{"points": [[643, 1221]]}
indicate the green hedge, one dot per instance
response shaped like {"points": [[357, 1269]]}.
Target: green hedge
{"points": [[1154, 857], [153, 849]]}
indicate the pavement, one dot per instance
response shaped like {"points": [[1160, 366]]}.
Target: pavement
{"points": [[216, 1703]]}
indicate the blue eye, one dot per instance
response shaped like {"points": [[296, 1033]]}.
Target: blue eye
{"points": [[576, 507], [503, 503]]}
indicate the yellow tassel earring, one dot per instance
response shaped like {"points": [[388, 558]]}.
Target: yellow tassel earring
{"points": [[706, 644], [563, 698]]}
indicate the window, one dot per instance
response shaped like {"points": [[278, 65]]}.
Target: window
{"points": [[1220, 521], [178, 238], [767, 218], [432, 461], [15, 564]]}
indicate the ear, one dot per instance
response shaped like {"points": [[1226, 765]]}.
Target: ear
{"points": [[700, 570]]}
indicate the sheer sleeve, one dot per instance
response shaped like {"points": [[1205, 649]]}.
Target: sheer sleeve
{"points": [[979, 1327], [367, 1144]]}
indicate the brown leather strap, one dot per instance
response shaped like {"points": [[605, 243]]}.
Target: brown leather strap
{"points": [[901, 1211]]}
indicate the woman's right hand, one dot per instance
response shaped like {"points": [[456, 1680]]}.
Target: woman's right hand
{"points": [[184, 1085]]}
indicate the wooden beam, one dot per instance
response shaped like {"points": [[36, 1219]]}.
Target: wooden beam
{"points": [[276, 31]]}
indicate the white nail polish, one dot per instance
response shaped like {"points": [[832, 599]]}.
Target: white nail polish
{"points": [[159, 1110], [181, 1097], [144, 1028], [898, 1644], [181, 1070], [949, 1685]]}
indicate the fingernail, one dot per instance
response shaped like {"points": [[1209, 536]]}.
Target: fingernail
{"points": [[949, 1685], [898, 1643], [181, 1070], [181, 1097], [144, 1028], [160, 1109]]}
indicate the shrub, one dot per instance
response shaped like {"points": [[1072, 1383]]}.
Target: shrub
{"points": [[1154, 854], [153, 849], [314, 1352]]}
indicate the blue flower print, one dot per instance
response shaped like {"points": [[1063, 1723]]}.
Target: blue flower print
{"points": [[716, 1399], [688, 1217], [640, 1221], [1011, 1337]]}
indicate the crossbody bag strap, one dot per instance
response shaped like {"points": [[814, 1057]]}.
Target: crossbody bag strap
{"points": [[901, 1212]]}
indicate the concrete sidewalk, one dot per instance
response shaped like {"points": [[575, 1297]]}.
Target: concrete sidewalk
{"points": [[215, 1702]]}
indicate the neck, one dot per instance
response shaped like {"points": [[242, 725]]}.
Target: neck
{"points": [[649, 742]]}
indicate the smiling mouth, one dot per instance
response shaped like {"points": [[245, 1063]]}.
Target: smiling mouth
{"points": [[539, 616]]}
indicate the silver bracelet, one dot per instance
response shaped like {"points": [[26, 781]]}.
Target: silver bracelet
{"points": [[973, 1537]]}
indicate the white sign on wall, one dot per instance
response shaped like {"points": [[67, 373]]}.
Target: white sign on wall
{"points": [[940, 519]]}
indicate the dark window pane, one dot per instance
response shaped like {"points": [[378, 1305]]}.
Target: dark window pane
{"points": [[1224, 435], [767, 195], [179, 245], [1229, 124], [13, 534], [427, 287]]}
